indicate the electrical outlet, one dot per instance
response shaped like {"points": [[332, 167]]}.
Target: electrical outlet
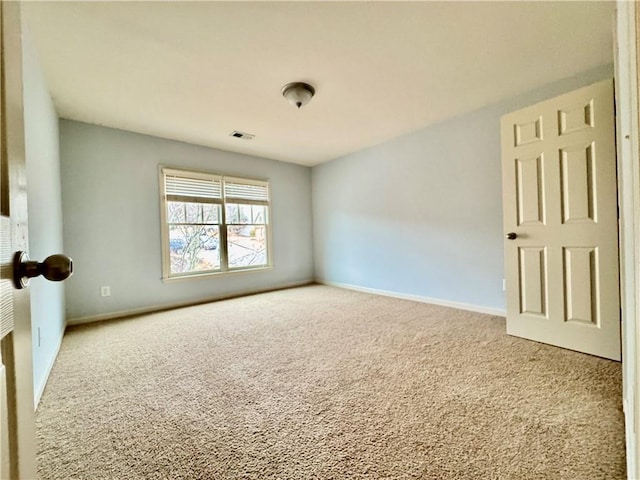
{"points": [[504, 285], [105, 291]]}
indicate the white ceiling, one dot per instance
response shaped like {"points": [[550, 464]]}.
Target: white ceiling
{"points": [[197, 71]]}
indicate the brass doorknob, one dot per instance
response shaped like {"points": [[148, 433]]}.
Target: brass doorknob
{"points": [[55, 268], [512, 236]]}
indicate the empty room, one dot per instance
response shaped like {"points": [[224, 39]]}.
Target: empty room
{"points": [[319, 240]]}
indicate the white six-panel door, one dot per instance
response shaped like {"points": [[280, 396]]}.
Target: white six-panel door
{"points": [[560, 210]]}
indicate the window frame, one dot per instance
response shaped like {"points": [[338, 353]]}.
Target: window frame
{"points": [[224, 269]]}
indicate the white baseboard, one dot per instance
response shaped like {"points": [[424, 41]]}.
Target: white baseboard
{"points": [[170, 306], [418, 298], [37, 394]]}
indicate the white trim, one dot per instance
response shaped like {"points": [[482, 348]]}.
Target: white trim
{"points": [[418, 298], [170, 306], [209, 275], [626, 73], [37, 394]]}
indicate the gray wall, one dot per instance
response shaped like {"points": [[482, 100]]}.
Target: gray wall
{"points": [[45, 213], [111, 209], [422, 214]]}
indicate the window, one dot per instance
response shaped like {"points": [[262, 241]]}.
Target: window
{"points": [[213, 223]]}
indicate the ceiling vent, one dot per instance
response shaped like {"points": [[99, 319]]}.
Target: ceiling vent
{"points": [[242, 135]]}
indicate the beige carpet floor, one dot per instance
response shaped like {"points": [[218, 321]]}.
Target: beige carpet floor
{"points": [[323, 383]]}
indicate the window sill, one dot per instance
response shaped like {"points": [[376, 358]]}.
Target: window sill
{"points": [[209, 275]]}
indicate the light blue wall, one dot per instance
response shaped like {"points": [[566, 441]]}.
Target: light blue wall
{"points": [[422, 214], [111, 208], [45, 213]]}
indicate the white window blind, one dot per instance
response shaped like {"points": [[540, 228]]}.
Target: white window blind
{"points": [[246, 191], [206, 190]]}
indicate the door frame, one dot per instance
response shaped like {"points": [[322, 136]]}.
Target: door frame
{"points": [[626, 52]]}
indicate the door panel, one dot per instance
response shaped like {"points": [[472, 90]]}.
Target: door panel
{"points": [[577, 184], [528, 132], [530, 191], [560, 201], [575, 118], [580, 285], [533, 280]]}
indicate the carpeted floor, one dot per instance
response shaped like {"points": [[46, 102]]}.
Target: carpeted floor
{"points": [[323, 383]]}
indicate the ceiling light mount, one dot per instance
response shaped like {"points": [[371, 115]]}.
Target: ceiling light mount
{"points": [[298, 93]]}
